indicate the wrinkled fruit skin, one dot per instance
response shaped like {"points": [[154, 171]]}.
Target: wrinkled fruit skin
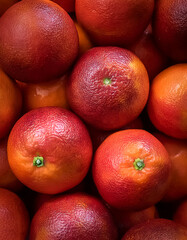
{"points": [[157, 229], [170, 28], [114, 22], [38, 41], [108, 106], [63, 141], [118, 182], [14, 220], [73, 217]]}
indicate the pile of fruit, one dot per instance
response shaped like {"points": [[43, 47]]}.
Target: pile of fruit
{"points": [[93, 119]]}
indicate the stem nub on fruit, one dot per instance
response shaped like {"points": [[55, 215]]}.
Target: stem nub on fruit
{"points": [[107, 81], [139, 164], [38, 161]]}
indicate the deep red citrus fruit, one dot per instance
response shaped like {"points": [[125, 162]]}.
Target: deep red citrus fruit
{"points": [[127, 219], [49, 150], [108, 87], [170, 28], [157, 229], [68, 5], [114, 22], [73, 217], [42, 46], [14, 217], [131, 170], [147, 50], [5, 4]]}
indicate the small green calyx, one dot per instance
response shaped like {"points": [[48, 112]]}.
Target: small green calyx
{"points": [[139, 164], [107, 81], [38, 161]]}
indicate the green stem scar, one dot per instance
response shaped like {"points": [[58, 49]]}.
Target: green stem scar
{"points": [[107, 81], [38, 161], [139, 164]]}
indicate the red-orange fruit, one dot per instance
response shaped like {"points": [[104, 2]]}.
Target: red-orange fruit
{"points": [[84, 41], [108, 87], [7, 178], [157, 229], [167, 103], [127, 219], [98, 135], [180, 214], [14, 218], [146, 49], [49, 150], [170, 28], [131, 170], [38, 41], [5, 4], [11, 103], [114, 22], [44, 94], [177, 150], [73, 217], [68, 5]]}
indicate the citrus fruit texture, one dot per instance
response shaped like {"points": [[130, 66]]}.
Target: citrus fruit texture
{"points": [[11, 104], [114, 22], [131, 170], [49, 150], [177, 150], [157, 229], [108, 87], [84, 41], [170, 28], [167, 104], [98, 135], [42, 46], [127, 219], [14, 220], [7, 178], [73, 217], [147, 50], [45, 94]]}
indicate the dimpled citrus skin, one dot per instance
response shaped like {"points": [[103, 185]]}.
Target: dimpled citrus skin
{"points": [[58, 136], [117, 180], [14, 220], [157, 229], [108, 105], [167, 103], [114, 22], [170, 28], [38, 41], [73, 217]]}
